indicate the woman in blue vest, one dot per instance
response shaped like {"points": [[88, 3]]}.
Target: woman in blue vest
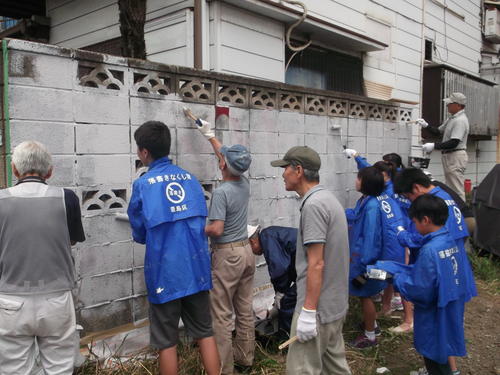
{"points": [[366, 245]]}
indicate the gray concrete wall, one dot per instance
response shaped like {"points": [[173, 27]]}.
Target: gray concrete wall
{"points": [[85, 108]]}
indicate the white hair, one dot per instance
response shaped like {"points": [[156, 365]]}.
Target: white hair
{"points": [[32, 157]]}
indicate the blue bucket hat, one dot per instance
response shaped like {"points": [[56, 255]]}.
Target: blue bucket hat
{"points": [[237, 158]]}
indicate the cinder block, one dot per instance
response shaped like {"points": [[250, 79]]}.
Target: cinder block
{"points": [[139, 253], [265, 188], [104, 228], [102, 139], [94, 108], [343, 122], [40, 104], [335, 143], [404, 130], [356, 127], [352, 198], [333, 181], [291, 122], [138, 281], [191, 141], [317, 142], [230, 138], [64, 171], [263, 142], [390, 130], [103, 170], [40, 70], [403, 146], [342, 197], [264, 120], [203, 166], [58, 137], [374, 129], [389, 145], [261, 165], [289, 140], [489, 145], [488, 156], [140, 308], [373, 146], [99, 259], [109, 287], [358, 144], [106, 316], [316, 124], [173, 137], [239, 119]]}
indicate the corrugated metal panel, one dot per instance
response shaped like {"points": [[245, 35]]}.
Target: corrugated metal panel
{"points": [[482, 102]]}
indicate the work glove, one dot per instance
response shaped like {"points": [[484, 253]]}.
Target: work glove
{"points": [[306, 325], [277, 300], [350, 153], [206, 129], [428, 147], [422, 122], [272, 312]]}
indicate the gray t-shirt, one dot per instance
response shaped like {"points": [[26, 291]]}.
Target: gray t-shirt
{"points": [[322, 220], [230, 204], [456, 127]]}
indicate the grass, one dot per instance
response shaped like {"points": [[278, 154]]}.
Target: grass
{"points": [[486, 267]]}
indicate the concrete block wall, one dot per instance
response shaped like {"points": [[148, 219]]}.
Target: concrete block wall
{"points": [[86, 106]]}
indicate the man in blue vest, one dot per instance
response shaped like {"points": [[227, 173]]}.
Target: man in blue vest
{"points": [[167, 212]]}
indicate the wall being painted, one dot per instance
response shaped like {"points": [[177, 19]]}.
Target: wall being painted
{"points": [[85, 107]]}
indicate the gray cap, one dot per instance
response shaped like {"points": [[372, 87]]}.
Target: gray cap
{"points": [[456, 97], [237, 157]]}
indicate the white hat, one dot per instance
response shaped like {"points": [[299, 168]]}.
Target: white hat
{"points": [[456, 97], [252, 229]]}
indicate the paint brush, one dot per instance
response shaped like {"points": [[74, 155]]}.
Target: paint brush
{"points": [[189, 114]]}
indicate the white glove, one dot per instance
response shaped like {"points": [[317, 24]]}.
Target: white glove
{"points": [[428, 147], [349, 152], [422, 122], [206, 129], [306, 325], [277, 300], [272, 312], [400, 228]]}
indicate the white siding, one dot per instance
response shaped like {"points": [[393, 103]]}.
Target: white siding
{"points": [[246, 44]]}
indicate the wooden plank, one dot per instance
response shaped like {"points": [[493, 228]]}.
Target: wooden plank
{"points": [[241, 62]]}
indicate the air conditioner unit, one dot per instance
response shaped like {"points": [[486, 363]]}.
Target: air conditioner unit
{"points": [[492, 25]]}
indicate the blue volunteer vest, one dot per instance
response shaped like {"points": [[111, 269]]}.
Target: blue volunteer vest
{"points": [[167, 212], [392, 218]]}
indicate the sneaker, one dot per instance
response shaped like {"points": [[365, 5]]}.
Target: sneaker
{"points": [[420, 371], [402, 328], [456, 372], [396, 304], [361, 327], [377, 298], [362, 342]]}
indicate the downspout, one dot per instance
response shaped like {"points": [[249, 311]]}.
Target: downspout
{"points": [[6, 136], [198, 34]]}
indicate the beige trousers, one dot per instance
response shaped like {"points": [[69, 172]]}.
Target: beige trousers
{"points": [[325, 354], [233, 268], [47, 318], [454, 165]]}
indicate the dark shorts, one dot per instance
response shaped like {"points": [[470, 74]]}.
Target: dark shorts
{"points": [[164, 320]]}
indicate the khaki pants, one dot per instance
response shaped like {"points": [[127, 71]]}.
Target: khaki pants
{"points": [[454, 165], [233, 268], [323, 355], [47, 318]]}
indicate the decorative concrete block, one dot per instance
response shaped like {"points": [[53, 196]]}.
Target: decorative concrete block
{"points": [[92, 170], [109, 287], [102, 139], [291, 122], [99, 259], [58, 137], [264, 120], [93, 108], [289, 140], [263, 142], [40, 70], [317, 142], [40, 104], [315, 124]]}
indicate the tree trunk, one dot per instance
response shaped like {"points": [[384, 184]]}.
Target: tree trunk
{"points": [[132, 19]]}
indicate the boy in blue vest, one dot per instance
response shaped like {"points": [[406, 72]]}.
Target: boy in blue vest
{"points": [[167, 212], [435, 284]]}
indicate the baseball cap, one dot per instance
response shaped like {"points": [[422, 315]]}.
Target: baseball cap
{"points": [[303, 155], [456, 97], [251, 229], [237, 158]]}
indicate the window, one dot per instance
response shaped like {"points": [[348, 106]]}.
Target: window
{"points": [[428, 49], [320, 68]]}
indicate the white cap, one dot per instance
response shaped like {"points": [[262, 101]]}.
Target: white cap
{"points": [[252, 229], [456, 97]]}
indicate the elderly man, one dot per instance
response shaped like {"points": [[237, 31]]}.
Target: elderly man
{"points": [[453, 148], [322, 264], [233, 263], [39, 223]]}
